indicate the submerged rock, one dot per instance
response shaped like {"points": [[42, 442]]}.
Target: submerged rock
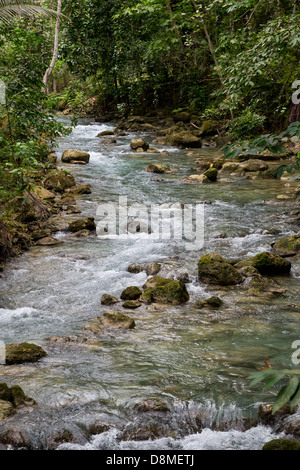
{"points": [[114, 319], [211, 303], [6, 409], [132, 304], [214, 269], [165, 291], [152, 404], [23, 352], [49, 241], [158, 168], [288, 246]]}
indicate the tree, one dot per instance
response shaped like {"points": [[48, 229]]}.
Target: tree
{"points": [[55, 51]]}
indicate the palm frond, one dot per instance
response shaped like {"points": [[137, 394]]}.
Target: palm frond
{"points": [[9, 9]]}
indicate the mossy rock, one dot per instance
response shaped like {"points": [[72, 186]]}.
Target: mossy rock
{"points": [[211, 303], [131, 293], [19, 398], [59, 181], [113, 319], [209, 127], [146, 297], [82, 224], [5, 392], [132, 304], [267, 264], [23, 352], [182, 116], [158, 168], [288, 246], [282, 444], [211, 174], [152, 404], [108, 299], [6, 409], [214, 269], [166, 291]]}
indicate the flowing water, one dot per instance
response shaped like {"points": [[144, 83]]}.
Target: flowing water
{"points": [[197, 362]]}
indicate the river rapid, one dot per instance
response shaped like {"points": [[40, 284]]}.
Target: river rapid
{"points": [[197, 362]]}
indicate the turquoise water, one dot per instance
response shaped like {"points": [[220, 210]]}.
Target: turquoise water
{"points": [[197, 362]]}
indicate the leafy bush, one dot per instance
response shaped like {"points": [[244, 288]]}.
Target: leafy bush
{"points": [[246, 125]]}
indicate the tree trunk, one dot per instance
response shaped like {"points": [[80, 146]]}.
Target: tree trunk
{"points": [[55, 49]]}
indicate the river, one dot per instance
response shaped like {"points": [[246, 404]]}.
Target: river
{"points": [[198, 363]]}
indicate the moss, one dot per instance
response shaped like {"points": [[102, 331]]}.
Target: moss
{"points": [[213, 269], [131, 293], [5, 392], [131, 304], [23, 352], [107, 299], [211, 174], [282, 444], [212, 302], [267, 264], [166, 291], [146, 297], [117, 320], [288, 246]]}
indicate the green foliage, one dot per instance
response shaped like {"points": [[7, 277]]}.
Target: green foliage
{"points": [[247, 124], [272, 142], [289, 394]]}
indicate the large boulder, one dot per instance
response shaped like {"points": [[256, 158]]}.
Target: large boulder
{"points": [[209, 128], [82, 224], [214, 269], [267, 264], [72, 155], [59, 181], [165, 291], [183, 139], [23, 352], [288, 246]]}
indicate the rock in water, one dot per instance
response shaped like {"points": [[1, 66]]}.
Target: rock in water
{"points": [[108, 299], [267, 264], [82, 224], [214, 269], [139, 143], [23, 352], [72, 155], [131, 293], [164, 291], [288, 246]]}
